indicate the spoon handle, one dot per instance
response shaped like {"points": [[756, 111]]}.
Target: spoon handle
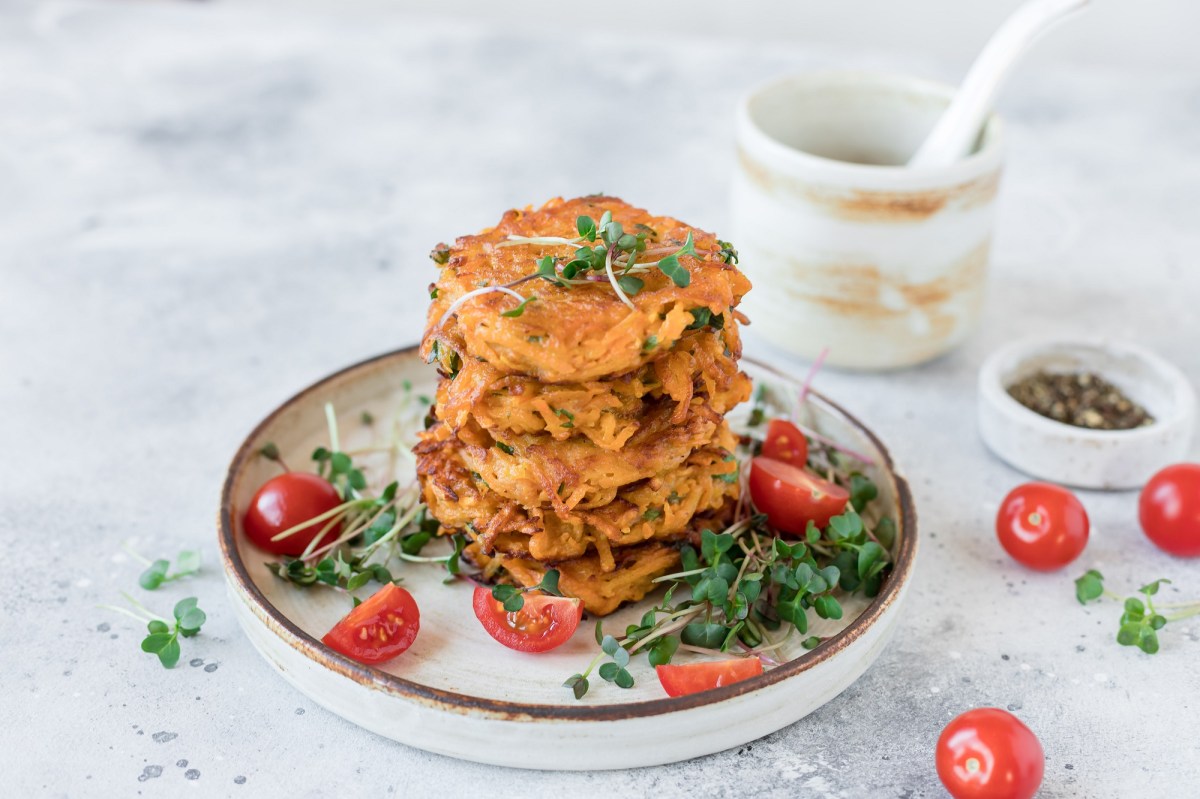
{"points": [[958, 127]]}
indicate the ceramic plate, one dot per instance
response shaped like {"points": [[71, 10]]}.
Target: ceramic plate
{"points": [[459, 693]]}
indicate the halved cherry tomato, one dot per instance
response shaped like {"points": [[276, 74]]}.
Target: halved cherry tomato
{"points": [[378, 629], [1042, 526], [1169, 510], [543, 622], [793, 497], [691, 678], [786, 443], [284, 502], [987, 753]]}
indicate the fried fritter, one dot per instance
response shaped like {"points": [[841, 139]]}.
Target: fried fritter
{"points": [[602, 591], [534, 470], [579, 332], [701, 370], [697, 493]]}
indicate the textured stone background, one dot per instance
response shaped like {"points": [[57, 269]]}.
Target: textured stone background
{"points": [[204, 207]]}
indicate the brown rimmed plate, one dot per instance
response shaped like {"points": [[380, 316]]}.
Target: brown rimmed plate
{"points": [[459, 693]]}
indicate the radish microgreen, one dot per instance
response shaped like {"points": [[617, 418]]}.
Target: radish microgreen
{"points": [[746, 583], [162, 639], [603, 252], [511, 597], [1140, 619], [159, 571]]}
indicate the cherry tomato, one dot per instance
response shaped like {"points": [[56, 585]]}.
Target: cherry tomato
{"points": [[793, 497], [987, 753], [285, 501], [1169, 509], [691, 678], [1042, 526], [786, 443], [378, 629], [543, 622]]}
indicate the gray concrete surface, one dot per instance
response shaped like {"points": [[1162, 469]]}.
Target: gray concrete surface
{"points": [[205, 207]]}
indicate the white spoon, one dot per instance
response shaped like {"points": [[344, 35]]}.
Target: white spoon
{"points": [[958, 128]]}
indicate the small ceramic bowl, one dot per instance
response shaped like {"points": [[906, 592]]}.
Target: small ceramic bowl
{"points": [[1077, 456]]}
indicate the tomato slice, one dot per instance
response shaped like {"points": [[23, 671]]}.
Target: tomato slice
{"points": [[378, 629], [543, 622], [793, 497], [691, 678], [285, 501], [785, 442]]}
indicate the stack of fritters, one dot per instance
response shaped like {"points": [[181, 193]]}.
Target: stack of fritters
{"points": [[582, 435]]}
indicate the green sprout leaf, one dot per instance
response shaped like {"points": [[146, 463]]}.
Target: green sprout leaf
{"points": [[1089, 587], [862, 491], [1150, 589], [630, 285], [704, 635], [663, 650], [671, 267], [158, 572], [549, 583], [586, 226], [578, 685], [520, 309]]}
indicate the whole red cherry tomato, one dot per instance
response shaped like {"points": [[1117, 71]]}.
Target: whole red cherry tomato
{"points": [[785, 442], [987, 753], [284, 502], [1042, 526], [1169, 509]]}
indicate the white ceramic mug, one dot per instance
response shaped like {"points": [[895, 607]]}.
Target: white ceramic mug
{"points": [[846, 247]]}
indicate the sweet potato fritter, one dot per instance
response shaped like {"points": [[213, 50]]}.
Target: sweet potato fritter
{"points": [[574, 333], [699, 372], [665, 507], [601, 591], [535, 470]]}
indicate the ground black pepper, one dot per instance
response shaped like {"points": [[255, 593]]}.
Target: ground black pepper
{"points": [[1082, 399]]}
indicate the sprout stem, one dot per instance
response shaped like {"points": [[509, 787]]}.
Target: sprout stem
{"points": [[612, 278], [454, 306], [331, 419]]}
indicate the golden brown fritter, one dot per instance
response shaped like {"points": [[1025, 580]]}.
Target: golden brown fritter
{"points": [[602, 591], [699, 373], [534, 470], [666, 507], [573, 333]]}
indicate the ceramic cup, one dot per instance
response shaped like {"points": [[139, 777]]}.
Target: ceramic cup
{"points": [[846, 247]]}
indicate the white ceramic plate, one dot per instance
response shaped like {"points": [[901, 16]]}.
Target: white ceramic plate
{"points": [[459, 693]]}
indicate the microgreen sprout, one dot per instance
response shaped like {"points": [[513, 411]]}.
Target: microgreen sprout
{"points": [[1140, 619], [512, 597], [158, 571], [271, 453], [614, 670], [362, 539], [163, 635], [603, 252], [745, 584]]}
